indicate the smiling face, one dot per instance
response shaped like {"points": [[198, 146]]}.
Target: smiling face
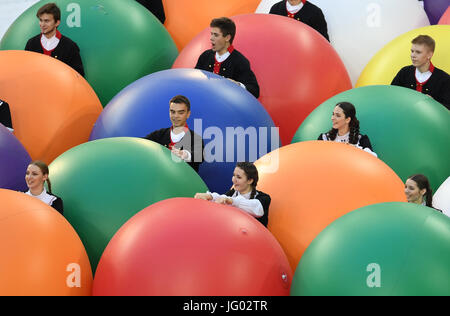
{"points": [[413, 193], [338, 118], [48, 24], [240, 181], [35, 178], [420, 55], [179, 114]]}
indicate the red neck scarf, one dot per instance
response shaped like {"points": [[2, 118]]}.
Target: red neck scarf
{"points": [[419, 85], [292, 15], [49, 52], [172, 143], [217, 65]]}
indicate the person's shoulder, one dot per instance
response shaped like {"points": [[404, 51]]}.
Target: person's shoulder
{"points": [[194, 134], [311, 6], [159, 132], [66, 40], [409, 68], [441, 73], [278, 7], [207, 53], [263, 196], [34, 40], [237, 56]]}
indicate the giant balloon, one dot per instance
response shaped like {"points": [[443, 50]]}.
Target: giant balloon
{"points": [[314, 183], [185, 19], [435, 9], [41, 254], [387, 249], [52, 107], [441, 199], [296, 68], [193, 248], [14, 161]]}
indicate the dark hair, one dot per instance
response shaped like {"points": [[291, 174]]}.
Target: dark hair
{"points": [[425, 40], [349, 111], [44, 168], [181, 99], [50, 8], [226, 26], [423, 183], [252, 173]]}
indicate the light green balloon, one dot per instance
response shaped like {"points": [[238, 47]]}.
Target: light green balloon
{"points": [[104, 183], [120, 41], [387, 249], [408, 130]]}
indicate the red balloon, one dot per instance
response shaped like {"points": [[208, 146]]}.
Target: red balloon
{"points": [[297, 69], [445, 19], [193, 247]]}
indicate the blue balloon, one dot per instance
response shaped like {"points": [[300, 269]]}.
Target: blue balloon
{"points": [[14, 161], [233, 124]]}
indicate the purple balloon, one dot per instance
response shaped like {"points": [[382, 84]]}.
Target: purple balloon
{"points": [[435, 9], [14, 161]]}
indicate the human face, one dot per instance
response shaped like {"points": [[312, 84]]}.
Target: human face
{"points": [[35, 178], [219, 42], [240, 181], [413, 193], [420, 55], [339, 120], [179, 114], [48, 24], [294, 2]]}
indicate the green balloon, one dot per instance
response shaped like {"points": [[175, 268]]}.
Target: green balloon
{"points": [[104, 183], [120, 41], [387, 249], [408, 130]]}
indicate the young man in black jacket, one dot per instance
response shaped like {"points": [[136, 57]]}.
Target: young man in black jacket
{"points": [[51, 42], [182, 141], [226, 61]]}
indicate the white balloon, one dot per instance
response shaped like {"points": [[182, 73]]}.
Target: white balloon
{"points": [[441, 199], [10, 10], [358, 29]]}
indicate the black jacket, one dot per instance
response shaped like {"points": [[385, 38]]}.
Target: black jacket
{"points": [[190, 142], [236, 67], [67, 51], [265, 202], [438, 86], [309, 14], [156, 7]]}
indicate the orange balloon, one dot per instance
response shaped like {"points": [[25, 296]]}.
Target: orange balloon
{"points": [[52, 107], [314, 183], [185, 19], [41, 254]]}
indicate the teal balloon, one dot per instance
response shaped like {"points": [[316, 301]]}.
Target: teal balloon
{"points": [[387, 249], [408, 130], [105, 182], [120, 41]]}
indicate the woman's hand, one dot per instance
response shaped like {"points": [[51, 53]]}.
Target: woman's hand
{"points": [[224, 201], [203, 196]]}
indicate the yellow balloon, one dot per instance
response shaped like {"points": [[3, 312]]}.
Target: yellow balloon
{"points": [[394, 56]]}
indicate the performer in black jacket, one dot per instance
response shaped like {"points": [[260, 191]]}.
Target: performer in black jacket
{"points": [[51, 42], [345, 128], [244, 195], [182, 141], [36, 175], [422, 76], [156, 7], [303, 11], [226, 61], [5, 115]]}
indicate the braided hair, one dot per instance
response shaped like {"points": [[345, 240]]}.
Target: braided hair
{"points": [[349, 111], [252, 173]]}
